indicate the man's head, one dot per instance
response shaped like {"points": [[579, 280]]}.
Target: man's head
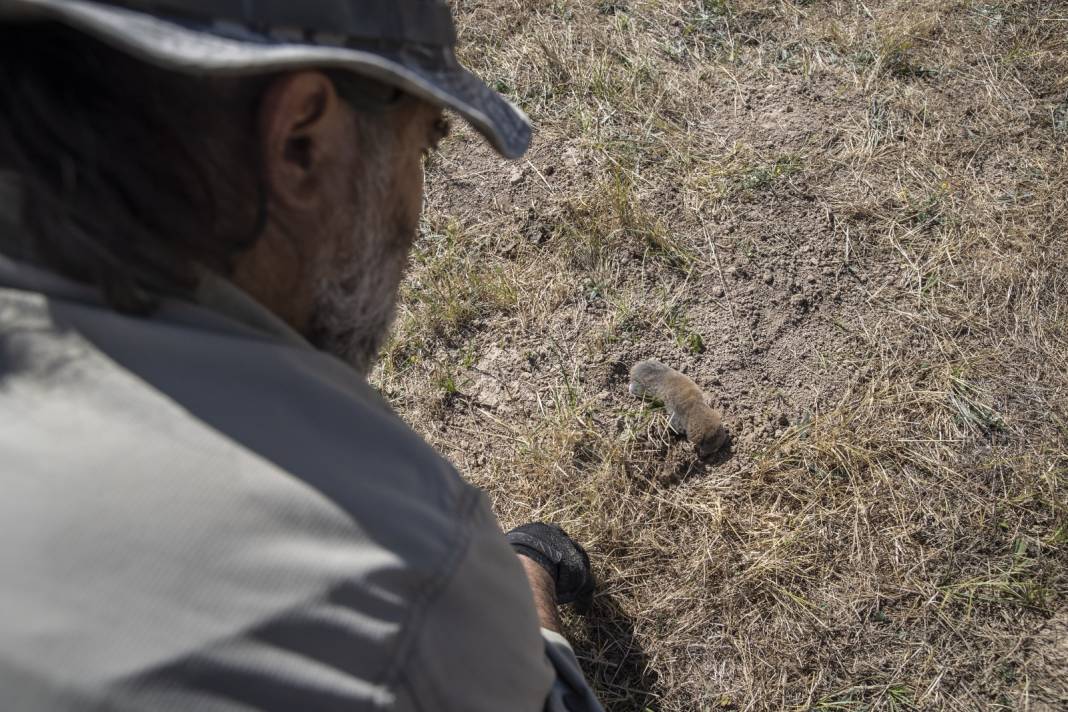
{"points": [[344, 186], [300, 183]]}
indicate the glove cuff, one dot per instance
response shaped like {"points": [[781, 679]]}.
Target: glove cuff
{"points": [[563, 558]]}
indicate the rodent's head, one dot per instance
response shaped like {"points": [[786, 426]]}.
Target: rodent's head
{"points": [[711, 442]]}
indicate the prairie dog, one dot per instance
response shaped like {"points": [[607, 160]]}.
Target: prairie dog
{"points": [[684, 402]]}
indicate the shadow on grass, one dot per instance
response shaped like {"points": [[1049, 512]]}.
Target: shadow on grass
{"points": [[613, 659]]}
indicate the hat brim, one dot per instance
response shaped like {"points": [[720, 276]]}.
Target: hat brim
{"points": [[199, 51]]}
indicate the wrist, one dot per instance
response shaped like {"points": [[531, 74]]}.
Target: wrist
{"points": [[541, 582], [543, 590]]}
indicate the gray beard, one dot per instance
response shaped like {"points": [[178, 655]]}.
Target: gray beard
{"points": [[354, 308], [356, 292]]}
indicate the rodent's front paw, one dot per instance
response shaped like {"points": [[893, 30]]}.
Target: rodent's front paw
{"points": [[677, 423]]}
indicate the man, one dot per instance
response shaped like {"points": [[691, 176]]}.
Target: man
{"points": [[206, 207]]}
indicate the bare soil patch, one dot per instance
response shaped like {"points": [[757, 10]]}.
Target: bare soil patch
{"points": [[846, 221]]}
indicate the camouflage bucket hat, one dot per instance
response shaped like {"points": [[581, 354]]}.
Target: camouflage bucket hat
{"points": [[409, 44]]}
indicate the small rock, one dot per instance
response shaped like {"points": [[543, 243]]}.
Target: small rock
{"points": [[717, 292], [516, 175]]}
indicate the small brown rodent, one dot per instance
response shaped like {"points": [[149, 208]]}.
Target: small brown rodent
{"points": [[684, 402]]}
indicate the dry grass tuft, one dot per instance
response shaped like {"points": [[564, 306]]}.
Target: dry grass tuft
{"points": [[847, 221]]}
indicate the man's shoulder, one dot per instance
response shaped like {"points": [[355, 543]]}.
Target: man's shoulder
{"points": [[170, 487], [300, 410]]}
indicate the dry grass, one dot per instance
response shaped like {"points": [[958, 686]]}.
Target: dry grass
{"points": [[845, 219]]}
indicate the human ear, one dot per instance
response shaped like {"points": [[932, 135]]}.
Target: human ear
{"points": [[302, 129]]}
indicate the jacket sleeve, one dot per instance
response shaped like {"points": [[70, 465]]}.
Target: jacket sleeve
{"points": [[570, 692], [479, 647]]}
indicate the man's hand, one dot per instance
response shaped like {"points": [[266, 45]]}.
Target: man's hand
{"points": [[557, 568]]}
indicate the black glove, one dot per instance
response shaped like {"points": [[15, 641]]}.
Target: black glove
{"points": [[552, 549]]}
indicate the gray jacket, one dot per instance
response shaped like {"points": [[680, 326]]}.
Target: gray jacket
{"points": [[201, 512]]}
